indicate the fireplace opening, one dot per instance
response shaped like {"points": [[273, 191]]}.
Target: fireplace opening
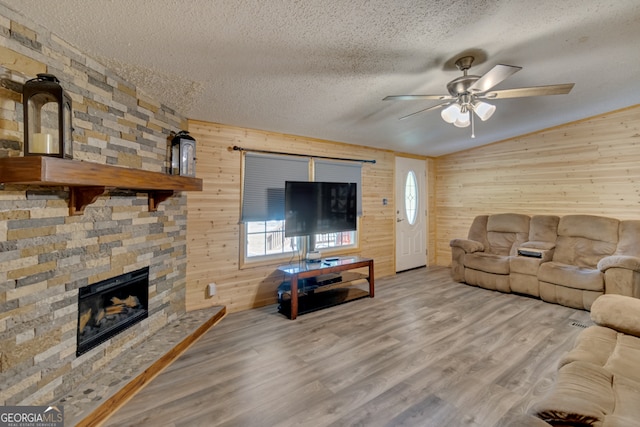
{"points": [[109, 307]]}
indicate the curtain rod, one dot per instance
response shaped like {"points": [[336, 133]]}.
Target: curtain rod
{"points": [[236, 148]]}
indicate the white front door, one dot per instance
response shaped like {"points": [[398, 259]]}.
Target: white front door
{"points": [[411, 224]]}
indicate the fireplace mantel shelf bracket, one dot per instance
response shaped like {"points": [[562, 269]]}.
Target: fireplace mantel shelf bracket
{"points": [[87, 181]]}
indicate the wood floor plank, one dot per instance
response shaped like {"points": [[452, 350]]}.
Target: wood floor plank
{"points": [[426, 351]]}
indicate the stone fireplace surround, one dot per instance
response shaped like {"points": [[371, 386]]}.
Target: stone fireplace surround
{"points": [[47, 255]]}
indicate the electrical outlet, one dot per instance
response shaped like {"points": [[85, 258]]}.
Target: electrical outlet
{"points": [[212, 289]]}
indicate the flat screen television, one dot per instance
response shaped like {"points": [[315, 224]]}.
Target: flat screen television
{"points": [[319, 207]]}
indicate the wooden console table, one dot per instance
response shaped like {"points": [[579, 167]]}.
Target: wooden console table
{"points": [[305, 270]]}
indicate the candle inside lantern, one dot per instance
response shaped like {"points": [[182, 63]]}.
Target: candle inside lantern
{"points": [[43, 143]]}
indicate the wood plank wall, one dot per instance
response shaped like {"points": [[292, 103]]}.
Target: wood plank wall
{"points": [[587, 167], [213, 232]]}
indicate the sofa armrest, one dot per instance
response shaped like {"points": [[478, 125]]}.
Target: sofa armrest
{"points": [[468, 246], [619, 261], [618, 312]]}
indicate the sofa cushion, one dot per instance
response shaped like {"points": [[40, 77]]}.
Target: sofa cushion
{"points": [[505, 244], [594, 345], [618, 312], [495, 282], [489, 263], [585, 239], [590, 227], [505, 232], [543, 228], [570, 297], [582, 396], [478, 230], [508, 223], [625, 359], [627, 410], [524, 265], [629, 238], [571, 276], [581, 252]]}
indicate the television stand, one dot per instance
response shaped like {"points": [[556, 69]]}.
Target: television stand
{"points": [[329, 292]]}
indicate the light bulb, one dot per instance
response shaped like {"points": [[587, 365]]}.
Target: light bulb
{"points": [[451, 113], [483, 110], [462, 121]]}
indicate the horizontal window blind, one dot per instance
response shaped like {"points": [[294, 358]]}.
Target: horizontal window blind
{"points": [[332, 171], [264, 178]]}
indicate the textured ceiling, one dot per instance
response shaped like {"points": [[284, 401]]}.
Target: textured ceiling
{"points": [[320, 68]]}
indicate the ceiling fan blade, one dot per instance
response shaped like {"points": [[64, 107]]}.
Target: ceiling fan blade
{"points": [[416, 97], [494, 76], [521, 92], [434, 107]]}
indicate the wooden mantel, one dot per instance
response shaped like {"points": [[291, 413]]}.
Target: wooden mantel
{"points": [[87, 181]]}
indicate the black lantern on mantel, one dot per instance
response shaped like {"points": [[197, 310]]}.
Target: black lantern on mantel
{"points": [[183, 154], [47, 118]]}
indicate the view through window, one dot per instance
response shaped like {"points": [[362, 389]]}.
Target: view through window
{"points": [[267, 238]]}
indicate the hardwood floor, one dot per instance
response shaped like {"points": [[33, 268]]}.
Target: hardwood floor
{"points": [[425, 351]]}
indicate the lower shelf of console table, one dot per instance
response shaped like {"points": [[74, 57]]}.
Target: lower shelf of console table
{"points": [[304, 299]]}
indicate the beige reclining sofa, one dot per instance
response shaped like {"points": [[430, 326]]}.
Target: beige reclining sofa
{"points": [[598, 381], [569, 260]]}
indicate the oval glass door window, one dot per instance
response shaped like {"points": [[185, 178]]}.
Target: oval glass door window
{"points": [[411, 197]]}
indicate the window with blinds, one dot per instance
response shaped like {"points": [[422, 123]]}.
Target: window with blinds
{"points": [[262, 215]]}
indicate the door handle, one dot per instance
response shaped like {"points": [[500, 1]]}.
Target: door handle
{"points": [[399, 219]]}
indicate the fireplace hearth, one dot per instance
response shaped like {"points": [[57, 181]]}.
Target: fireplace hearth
{"points": [[109, 307]]}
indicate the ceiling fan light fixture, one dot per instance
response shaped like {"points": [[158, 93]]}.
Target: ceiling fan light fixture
{"points": [[451, 113], [462, 101], [462, 120], [483, 110]]}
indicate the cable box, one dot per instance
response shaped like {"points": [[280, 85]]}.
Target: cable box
{"points": [[530, 253], [327, 279]]}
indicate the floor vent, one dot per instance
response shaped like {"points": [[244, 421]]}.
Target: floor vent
{"points": [[579, 325]]}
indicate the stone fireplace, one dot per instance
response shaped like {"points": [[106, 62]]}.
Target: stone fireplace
{"points": [[49, 258], [109, 307]]}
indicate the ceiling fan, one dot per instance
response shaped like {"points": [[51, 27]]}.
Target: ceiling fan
{"points": [[467, 92]]}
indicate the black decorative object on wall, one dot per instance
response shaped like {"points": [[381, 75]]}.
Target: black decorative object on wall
{"points": [[47, 118], [183, 154]]}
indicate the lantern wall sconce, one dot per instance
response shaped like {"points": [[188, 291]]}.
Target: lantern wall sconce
{"points": [[47, 118], [183, 154]]}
